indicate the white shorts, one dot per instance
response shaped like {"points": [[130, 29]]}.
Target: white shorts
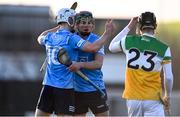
{"points": [[145, 108]]}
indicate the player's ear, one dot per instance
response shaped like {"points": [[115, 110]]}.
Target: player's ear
{"points": [[93, 25], [155, 26], [138, 31], [76, 27]]}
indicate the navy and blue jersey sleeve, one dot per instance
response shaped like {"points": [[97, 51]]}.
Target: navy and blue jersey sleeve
{"points": [[94, 38], [76, 41]]}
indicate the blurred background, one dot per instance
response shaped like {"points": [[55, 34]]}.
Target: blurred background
{"points": [[21, 21]]}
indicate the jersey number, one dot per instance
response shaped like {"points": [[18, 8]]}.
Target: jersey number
{"points": [[52, 54], [136, 57]]}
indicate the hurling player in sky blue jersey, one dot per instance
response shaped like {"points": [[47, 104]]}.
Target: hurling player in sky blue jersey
{"points": [[86, 96], [57, 95]]}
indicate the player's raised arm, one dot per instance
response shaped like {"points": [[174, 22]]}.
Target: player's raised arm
{"points": [[115, 43], [94, 47]]}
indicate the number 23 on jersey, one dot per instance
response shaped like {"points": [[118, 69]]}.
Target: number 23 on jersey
{"points": [[141, 60]]}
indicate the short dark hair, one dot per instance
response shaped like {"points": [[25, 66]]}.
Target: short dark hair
{"points": [[147, 20]]}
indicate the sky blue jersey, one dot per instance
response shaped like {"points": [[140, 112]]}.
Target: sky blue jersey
{"points": [[57, 74], [96, 75]]}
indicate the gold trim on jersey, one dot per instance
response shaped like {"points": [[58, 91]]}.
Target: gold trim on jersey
{"points": [[142, 85], [166, 62]]}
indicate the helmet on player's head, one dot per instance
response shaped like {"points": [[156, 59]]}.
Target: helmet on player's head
{"points": [[83, 14], [65, 15], [147, 20]]}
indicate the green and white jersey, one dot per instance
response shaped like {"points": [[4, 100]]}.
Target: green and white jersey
{"points": [[145, 56]]}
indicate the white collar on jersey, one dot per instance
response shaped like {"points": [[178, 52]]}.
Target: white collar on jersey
{"points": [[147, 34]]}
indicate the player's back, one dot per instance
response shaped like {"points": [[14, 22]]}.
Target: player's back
{"points": [[145, 56], [57, 74]]}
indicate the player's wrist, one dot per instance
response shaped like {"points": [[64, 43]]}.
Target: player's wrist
{"points": [[82, 64], [167, 94]]}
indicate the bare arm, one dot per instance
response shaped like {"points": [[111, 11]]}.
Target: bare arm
{"points": [[94, 47], [97, 63]]}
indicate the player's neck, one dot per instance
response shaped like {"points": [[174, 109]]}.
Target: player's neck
{"points": [[64, 26], [148, 31], [84, 36]]}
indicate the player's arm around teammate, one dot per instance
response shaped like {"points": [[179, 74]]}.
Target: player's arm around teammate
{"points": [[86, 97], [51, 98], [92, 65], [88, 47], [56, 96], [97, 63]]}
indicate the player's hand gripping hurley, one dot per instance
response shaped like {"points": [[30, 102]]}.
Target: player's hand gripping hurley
{"points": [[165, 104], [63, 58]]}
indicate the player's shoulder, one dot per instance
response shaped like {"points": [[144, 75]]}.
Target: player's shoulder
{"points": [[47, 37], [93, 37], [161, 42], [74, 38], [74, 35], [133, 36], [49, 34]]}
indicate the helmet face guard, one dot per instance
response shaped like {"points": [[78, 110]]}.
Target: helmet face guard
{"points": [[84, 15], [147, 20], [66, 15]]}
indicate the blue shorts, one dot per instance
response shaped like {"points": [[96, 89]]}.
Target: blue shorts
{"points": [[57, 100], [91, 100]]}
